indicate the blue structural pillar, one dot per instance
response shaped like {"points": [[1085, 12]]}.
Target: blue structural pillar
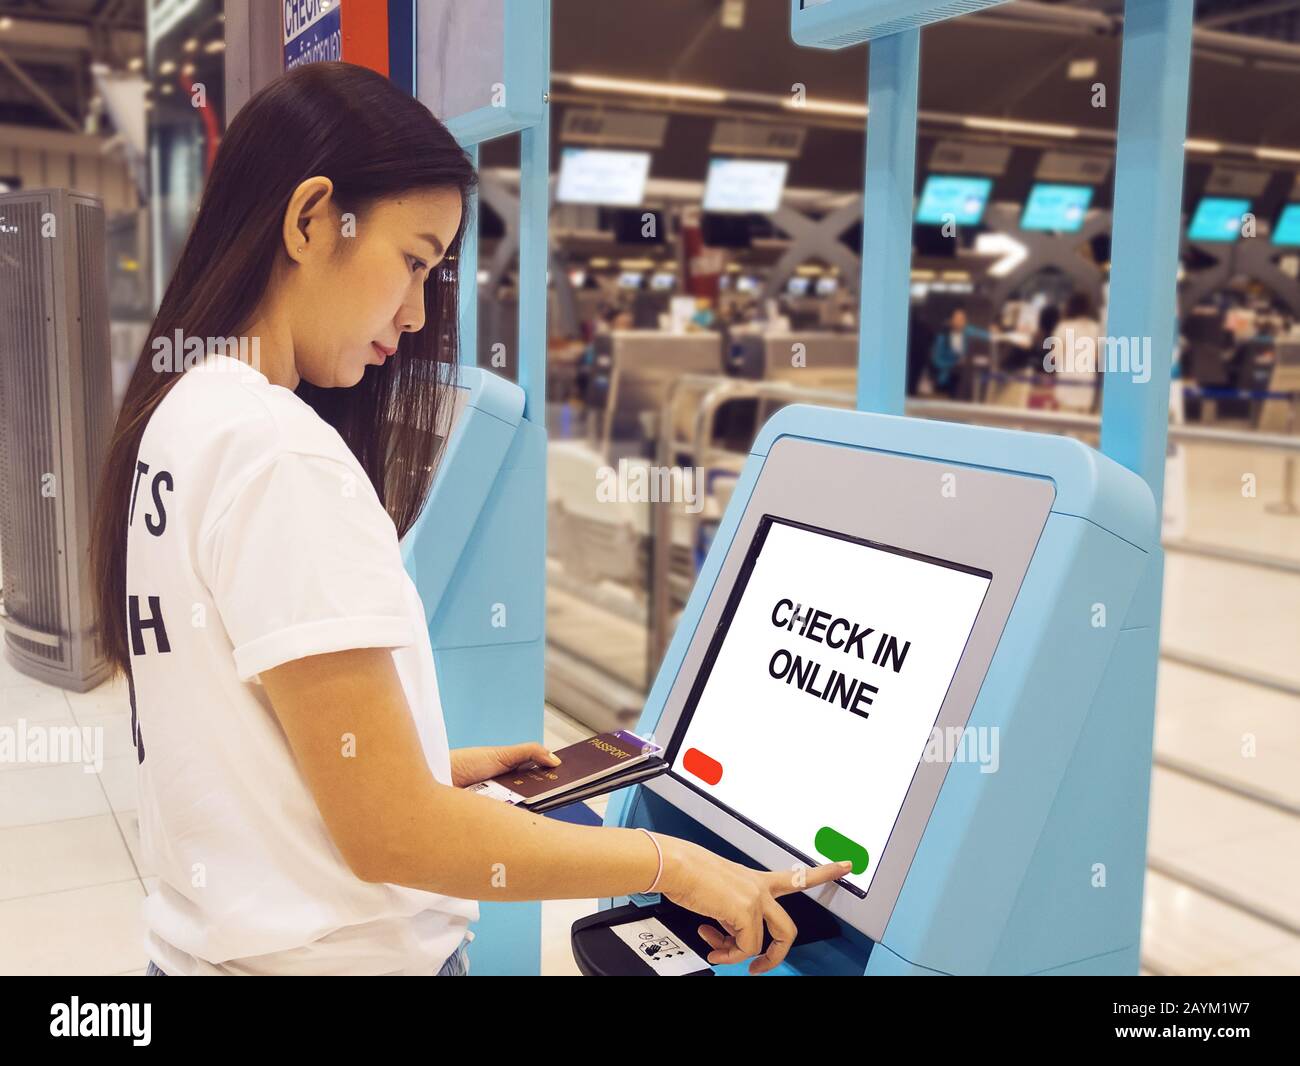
{"points": [[1145, 229], [892, 80], [512, 932], [468, 324], [534, 202], [1135, 399]]}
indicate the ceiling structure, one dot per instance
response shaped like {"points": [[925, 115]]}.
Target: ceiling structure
{"points": [[46, 48], [1024, 74]]}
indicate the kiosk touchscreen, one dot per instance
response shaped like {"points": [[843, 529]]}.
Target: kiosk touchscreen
{"points": [[837, 652], [910, 647]]}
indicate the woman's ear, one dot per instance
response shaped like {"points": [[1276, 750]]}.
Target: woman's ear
{"points": [[310, 203]]}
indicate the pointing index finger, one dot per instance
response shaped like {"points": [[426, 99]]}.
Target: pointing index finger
{"points": [[784, 882]]}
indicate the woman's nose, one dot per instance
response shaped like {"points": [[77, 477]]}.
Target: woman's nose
{"points": [[410, 319]]}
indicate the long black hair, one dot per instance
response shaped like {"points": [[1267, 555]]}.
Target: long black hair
{"points": [[374, 142]]}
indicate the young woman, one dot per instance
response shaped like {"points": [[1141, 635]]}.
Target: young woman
{"points": [[298, 801]]}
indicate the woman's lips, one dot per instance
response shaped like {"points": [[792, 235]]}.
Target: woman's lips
{"points": [[382, 352]]}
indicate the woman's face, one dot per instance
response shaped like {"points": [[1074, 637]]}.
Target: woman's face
{"points": [[358, 286]]}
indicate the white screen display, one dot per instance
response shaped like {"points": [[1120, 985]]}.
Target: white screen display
{"points": [[600, 176], [744, 185], [824, 687]]}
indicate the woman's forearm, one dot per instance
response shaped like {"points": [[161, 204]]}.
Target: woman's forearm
{"points": [[461, 844]]}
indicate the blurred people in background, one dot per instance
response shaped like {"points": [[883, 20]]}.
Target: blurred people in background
{"points": [[920, 342], [1075, 341], [704, 317], [950, 351], [1048, 319], [610, 319]]}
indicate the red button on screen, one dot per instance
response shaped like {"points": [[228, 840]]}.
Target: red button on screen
{"points": [[706, 769]]}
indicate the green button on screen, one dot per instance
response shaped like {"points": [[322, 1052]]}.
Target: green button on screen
{"points": [[838, 848]]}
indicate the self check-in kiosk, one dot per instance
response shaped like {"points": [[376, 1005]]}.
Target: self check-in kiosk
{"points": [[909, 648], [930, 648], [468, 553], [472, 554]]}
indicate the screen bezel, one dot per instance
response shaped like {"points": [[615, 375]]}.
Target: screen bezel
{"points": [[737, 593], [991, 523]]}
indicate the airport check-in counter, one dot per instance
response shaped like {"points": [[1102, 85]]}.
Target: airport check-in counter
{"points": [[911, 647], [1280, 413], [634, 370], [810, 359]]}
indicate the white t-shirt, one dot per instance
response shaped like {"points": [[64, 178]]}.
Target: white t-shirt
{"points": [[255, 539]]}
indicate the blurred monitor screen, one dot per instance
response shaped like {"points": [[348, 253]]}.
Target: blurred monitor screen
{"points": [[663, 281], [1217, 218], [745, 185], [601, 176], [1059, 208], [949, 198], [1287, 228], [629, 279], [826, 286], [746, 283], [797, 286]]}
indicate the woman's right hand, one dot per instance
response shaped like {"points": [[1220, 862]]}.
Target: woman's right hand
{"points": [[742, 900]]}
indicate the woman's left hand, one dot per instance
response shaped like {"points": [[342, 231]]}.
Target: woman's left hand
{"points": [[469, 766]]}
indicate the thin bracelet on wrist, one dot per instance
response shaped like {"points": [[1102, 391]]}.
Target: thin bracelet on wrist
{"points": [[658, 851]]}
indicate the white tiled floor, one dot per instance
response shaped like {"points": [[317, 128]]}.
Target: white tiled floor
{"points": [[71, 880], [1223, 855]]}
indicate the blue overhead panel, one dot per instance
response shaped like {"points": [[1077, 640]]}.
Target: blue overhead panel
{"points": [[840, 23]]}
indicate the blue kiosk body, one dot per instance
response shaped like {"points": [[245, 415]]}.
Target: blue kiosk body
{"points": [[1036, 866], [1033, 866], [474, 554]]}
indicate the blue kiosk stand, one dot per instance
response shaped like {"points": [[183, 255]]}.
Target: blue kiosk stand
{"points": [[931, 648], [474, 554]]}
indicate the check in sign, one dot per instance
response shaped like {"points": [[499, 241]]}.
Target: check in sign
{"points": [[312, 31]]}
